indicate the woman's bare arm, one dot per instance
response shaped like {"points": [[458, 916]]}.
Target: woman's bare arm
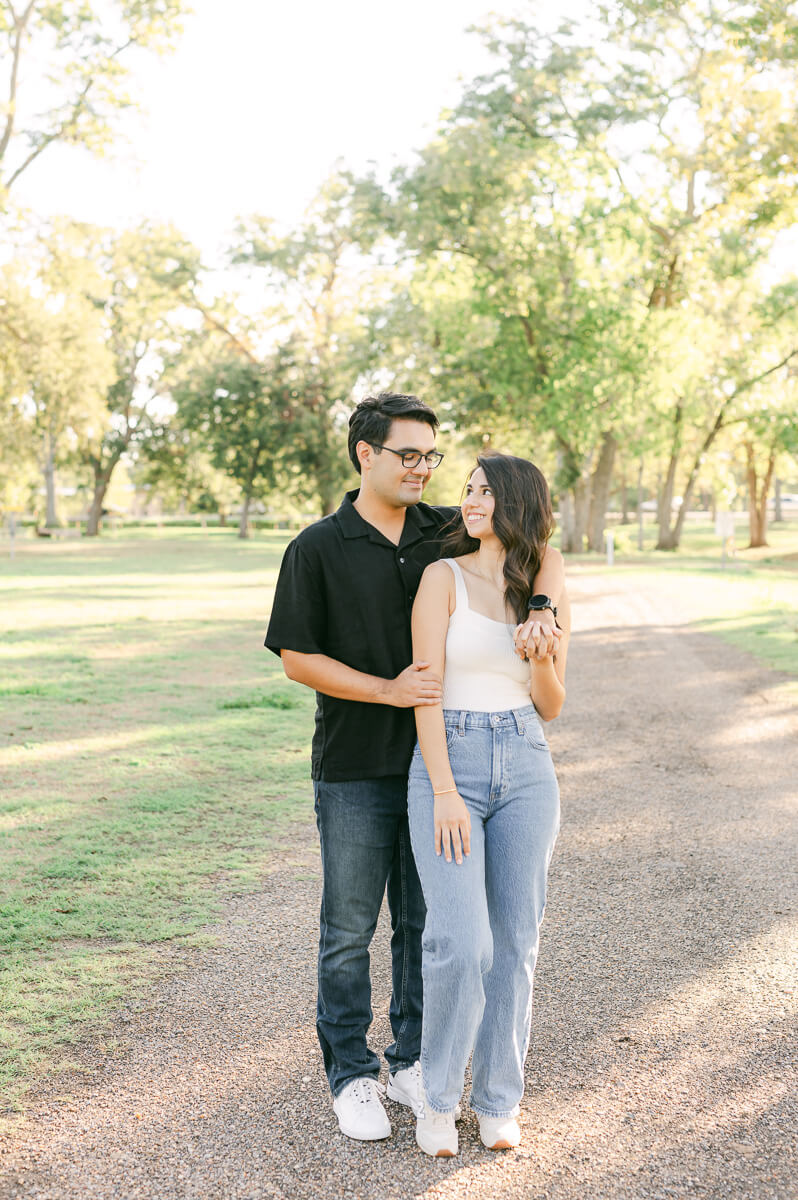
{"points": [[434, 603]]}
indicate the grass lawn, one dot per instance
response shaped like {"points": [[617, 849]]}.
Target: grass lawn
{"points": [[152, 752]]}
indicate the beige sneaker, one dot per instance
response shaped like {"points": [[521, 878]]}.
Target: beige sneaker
{"points": [[436, 1133], [499, 1133]]}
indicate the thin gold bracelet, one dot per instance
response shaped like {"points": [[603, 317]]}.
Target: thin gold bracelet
{"points": [[443, 791]]}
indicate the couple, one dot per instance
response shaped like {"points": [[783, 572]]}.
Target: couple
{"points": [[477, 816]]}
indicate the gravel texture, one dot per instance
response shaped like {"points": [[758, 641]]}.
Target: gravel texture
{"points": [[663, 1058]]}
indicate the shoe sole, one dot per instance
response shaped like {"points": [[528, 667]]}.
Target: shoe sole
{"points": [[364, 1137], [443, 1153], [502, 1145]]}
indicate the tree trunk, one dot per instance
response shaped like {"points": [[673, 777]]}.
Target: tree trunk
{"points": [[625, 518], [640, 499], [579, 507], [665, 536], [669, 538], [102, 477], [243, 524], [758, 497], [600, 492], [329, 501], [325, 472], [777, 501], [566, 521], [51, 518], [573, 482], [248, 488]]}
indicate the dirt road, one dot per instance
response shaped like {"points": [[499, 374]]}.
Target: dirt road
{"points": [[663, 1059]]}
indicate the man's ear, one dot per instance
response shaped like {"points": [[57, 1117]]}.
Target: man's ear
{"points": [[364, 454]]}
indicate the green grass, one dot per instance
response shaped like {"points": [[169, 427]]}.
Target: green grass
{"points": [[152, 752]]}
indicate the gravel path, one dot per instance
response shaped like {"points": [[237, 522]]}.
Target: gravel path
{"points": [[663, 1059]]}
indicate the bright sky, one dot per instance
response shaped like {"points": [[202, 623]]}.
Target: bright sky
{"points": [[259, 101]]}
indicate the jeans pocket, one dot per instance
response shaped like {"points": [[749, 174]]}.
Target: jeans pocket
{"points": [[534, 736], [451, 734]]}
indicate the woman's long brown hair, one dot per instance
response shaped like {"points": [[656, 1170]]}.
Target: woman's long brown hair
{"points": [[522, 521]]}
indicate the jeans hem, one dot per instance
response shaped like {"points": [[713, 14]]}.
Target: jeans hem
{"points": [[401, 1065], [497, 1116], [375, 1075]]}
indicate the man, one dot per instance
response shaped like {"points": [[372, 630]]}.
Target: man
{"points": [[341, 623]]}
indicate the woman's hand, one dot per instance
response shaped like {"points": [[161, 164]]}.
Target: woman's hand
{"points": [[536, 639], [452, 826]]}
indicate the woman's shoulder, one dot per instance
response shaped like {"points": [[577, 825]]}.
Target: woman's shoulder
{"points": [[448, 566], [440, 569], [464, 561]]}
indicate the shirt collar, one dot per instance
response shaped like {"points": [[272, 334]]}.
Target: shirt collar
{"points": [[417, 521]]}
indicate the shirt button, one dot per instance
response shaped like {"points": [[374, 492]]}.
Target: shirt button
{"points": [[401, 560]]}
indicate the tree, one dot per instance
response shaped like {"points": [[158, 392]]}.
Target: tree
{"points": [[766, 434], [613, 187], [549, 342], [325, 288], [243, 411], [64, 71], [55, 340], [174, 464], [149, 276]]}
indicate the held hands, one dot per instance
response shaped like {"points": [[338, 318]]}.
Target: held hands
{"points": [[536, 640], [452, 826], [414, 686]]}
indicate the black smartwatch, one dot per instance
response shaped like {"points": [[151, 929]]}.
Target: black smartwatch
{"points": [[539, 602]]}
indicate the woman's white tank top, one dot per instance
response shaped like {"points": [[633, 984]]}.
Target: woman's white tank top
{"points": [[483, 673]]}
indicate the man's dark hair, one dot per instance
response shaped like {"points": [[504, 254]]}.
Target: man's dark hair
{"points": [[371, 420]]}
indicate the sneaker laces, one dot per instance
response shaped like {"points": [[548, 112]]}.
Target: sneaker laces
{"points": [[415, 1070], [367, 1091]]}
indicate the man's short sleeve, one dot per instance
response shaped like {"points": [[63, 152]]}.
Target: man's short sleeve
{"points": [[299, 612]]}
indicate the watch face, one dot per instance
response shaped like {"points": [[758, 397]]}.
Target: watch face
{"points": [[539, 601]]}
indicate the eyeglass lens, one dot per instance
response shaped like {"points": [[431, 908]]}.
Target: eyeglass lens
{"points": [[414, 458]]}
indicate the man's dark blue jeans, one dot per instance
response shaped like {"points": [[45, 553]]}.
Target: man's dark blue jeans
{"points": [[365, 846]]}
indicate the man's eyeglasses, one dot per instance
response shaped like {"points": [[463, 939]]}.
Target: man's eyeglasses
{"points": [[411, 458]]}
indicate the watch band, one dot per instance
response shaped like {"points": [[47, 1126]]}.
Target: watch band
{"points": [[543, 602]]}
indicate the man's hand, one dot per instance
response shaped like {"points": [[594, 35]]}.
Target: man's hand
{"points": [[537, 637], [414, 686]]}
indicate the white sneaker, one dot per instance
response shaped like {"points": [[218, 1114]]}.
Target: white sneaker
{"points": [[359, 1110], [436, 1133], [406, 1087], [499, 1133]]}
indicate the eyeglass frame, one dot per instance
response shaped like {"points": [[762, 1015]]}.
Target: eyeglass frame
{"points": [[404, 454]]}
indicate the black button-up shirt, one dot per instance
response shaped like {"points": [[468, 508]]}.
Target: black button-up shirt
{"points": [[346, 591]]}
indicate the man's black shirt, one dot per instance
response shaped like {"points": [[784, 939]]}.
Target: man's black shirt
{"points": [[346, 591]]}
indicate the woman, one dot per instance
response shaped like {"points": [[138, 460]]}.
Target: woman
{"points": [[483, 800]]}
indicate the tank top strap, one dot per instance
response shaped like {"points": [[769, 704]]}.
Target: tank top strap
{"points": [[461, 592]]}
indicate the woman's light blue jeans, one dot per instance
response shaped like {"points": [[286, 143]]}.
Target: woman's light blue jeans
{"points": [[480, 939]]}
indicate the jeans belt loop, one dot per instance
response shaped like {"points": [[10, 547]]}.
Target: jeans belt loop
{"points": [[519, 720], [461, 728]]}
